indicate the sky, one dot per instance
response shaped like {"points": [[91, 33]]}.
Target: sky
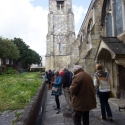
{"points": [[27, 19]]}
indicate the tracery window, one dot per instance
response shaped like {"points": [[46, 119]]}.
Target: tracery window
{"points": [[118, 17], [109, 25], [108, 19]]}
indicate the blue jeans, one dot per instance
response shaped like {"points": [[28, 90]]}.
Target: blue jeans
{"points": [[105, 107]]}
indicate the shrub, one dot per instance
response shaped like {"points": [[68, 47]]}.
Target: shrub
{"points": [[10, 70]]}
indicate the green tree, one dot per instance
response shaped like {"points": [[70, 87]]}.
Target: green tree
{"points": [[8, 49], [27, 56]]}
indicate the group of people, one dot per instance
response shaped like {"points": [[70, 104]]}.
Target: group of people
{"points": [[79, 91]]}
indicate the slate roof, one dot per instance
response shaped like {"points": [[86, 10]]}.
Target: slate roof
{"points": [[117, 46]]}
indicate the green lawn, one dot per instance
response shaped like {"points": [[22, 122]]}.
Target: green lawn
{"points": [[17, 90]]}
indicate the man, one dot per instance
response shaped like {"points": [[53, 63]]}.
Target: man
{"points": [[66, 81], [49, 79], [83, 96]]}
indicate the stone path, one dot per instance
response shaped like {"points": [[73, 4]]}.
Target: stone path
{"points": [[64, 117], [7, 117]]}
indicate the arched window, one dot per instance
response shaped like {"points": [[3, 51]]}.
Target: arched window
{"points": [[109, 25], [108, 19], [112, 17], [118, 25], [89, 29]]}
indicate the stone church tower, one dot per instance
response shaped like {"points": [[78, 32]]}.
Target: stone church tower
{"points": [[61, 34]]}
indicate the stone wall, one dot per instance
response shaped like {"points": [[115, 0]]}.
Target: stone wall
{"points": [[30, 114], [91, 25]]}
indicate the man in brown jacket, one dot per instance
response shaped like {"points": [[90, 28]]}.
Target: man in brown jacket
{"points": [[83, 96]]}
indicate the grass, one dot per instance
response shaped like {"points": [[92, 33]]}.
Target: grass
{"points": [[17, 90], [17, 115]]}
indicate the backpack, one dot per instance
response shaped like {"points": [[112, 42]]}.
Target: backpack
{"points": [[70, 77]]}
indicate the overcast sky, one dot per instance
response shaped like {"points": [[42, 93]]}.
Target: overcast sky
{"points": [[27, 19]]}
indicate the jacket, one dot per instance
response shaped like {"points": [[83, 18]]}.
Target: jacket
{"points": [[101, 81], [67, 79], [83, 91], [57, 84]]}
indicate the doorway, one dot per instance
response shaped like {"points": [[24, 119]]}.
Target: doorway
{"points": [[121, 70]]}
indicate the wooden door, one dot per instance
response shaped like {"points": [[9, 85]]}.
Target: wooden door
{"points": [[121, 70]]}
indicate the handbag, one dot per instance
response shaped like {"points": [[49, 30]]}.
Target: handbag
{"points": [[97, 88], [111, 95], [54, 89]]}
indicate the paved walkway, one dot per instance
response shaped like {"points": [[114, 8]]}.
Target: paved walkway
{"points": [[64, 117]]}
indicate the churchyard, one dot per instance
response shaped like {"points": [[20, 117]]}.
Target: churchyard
{"points": [[17, 90]]}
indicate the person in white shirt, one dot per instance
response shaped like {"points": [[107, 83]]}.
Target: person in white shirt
{"points": [[103, 91]]}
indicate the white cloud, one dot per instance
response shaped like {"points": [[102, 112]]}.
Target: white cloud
{"points": [[18, 18], [79, 14]]}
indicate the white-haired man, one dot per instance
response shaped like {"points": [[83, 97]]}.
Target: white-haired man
{"points": [[83, 95]]}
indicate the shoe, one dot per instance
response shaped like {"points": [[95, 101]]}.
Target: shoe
{"points": [[58, 111], [110, 118], [102, 118]]}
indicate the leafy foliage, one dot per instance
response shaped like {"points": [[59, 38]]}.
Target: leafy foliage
{"points": [[10, 70], [27, 56], [8, 49]]}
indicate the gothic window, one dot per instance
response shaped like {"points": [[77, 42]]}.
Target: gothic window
{"points": [[118, 17], [90, 25], [109, 25], [108, 19], [60, 4]]}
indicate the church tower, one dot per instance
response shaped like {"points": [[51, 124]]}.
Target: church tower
{"points": [[61, 34]]}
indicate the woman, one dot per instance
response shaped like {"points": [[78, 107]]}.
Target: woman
{"points": [[101, 82], [56, 90]]}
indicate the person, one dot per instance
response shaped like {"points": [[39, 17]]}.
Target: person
{"points": [[83, 95], [49, 79], [46, 77], [57, 92], [66, 81], [101, 82], [61, 72]]}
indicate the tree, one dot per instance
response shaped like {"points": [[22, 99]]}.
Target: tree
{"points": [[8, 49], [27, 56]]}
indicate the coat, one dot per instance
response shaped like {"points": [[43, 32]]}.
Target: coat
{"points": [[67, 79], [83, 91], [57, 84]]}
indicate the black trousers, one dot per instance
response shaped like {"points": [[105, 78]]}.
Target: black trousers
{"points": [[57, 101], [78, 115]]}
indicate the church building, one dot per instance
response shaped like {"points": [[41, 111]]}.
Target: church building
{"points": [[61, 35]]}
